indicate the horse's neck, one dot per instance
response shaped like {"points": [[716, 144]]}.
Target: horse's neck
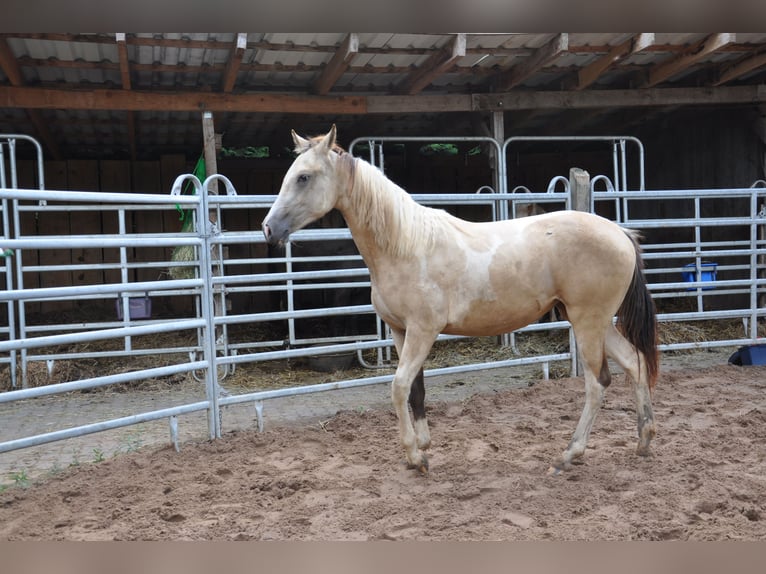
{"points": [[357, 206]]}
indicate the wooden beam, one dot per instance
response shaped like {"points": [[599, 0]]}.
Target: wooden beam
{"points": [[122, 53], [136, 100], [9, 64], [675, 66], [741, 68], [436, 65], [338, 65], [542, 57], [590, 73], [532, 100], [235, 60]]}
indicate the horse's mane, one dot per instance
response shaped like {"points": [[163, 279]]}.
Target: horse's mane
{"points": [[399, 225]]}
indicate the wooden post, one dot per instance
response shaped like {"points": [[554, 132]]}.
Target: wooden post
{"points": [[579, 186], [208, 149]]}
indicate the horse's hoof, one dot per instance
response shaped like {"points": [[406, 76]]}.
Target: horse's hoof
{"points": [[558, 467], [643, 450], [421, 467]]}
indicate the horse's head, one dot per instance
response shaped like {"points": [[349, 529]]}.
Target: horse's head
{"points": [[309, 188]]}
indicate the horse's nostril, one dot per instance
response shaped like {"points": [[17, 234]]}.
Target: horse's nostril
{"points": [[266, 231]]}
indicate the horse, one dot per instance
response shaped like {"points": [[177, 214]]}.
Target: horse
{"points": [[433, 273]]}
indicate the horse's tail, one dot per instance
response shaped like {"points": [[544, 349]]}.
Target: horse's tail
{"points": [[637, 315]]}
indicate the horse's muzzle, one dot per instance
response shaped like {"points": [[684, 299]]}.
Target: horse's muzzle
{"points": [[275, 234]]}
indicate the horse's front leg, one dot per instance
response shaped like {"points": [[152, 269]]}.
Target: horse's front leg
{"points": [[413, 347], [418, 406]]}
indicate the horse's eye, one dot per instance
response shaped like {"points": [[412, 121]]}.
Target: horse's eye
{"points": [[303, 178]]}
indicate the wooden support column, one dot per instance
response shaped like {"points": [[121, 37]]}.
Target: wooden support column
{"points": [[208, 148], [218, 253]]}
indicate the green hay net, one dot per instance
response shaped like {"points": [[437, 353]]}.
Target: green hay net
{"points": [[185, 253]]}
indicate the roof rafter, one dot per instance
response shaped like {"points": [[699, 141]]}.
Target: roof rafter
{"points": [[741, 68], [234, 62], [122, 53], [436, 65], [590, 73], [338, 65], [542, 57], [676, 65]]}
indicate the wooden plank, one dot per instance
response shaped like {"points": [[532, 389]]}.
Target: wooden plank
{"points": [[590, 73], [146, 179], [114, 176], [49, 223], [24, 97], [136, 100], [678, 64], [337, 65], [542, 57], [436, 65], [618, 98], [415, 104], [171, 166], [741, 68], [232, 65], [83, 175]]}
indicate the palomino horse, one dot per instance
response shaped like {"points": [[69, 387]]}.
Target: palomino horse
{"points": [[433, 273]]}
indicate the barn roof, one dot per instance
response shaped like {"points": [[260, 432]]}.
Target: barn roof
{"points": [[137, 95]]}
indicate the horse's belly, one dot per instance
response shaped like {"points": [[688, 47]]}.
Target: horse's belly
{"points": [[482, 318]]}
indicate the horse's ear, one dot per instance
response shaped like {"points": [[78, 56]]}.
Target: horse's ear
{"points": [[328, 141], [301, 144]]}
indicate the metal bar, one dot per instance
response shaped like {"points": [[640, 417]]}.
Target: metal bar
{"points": [[89, 336], [96, 382], [102, 426]]}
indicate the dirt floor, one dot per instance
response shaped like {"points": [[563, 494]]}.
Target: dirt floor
{"points": [[346, 479]]}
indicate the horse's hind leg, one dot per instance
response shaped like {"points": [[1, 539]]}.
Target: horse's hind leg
{"points": [[634, 364], [597, 378]]}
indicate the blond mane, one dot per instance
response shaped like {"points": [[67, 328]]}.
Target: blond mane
{"points": [[400, 226]]}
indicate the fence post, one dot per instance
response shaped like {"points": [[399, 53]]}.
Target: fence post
{"points": [[579, 186]]}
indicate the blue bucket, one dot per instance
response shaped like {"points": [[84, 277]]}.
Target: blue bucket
{"points": [[707, 274]]}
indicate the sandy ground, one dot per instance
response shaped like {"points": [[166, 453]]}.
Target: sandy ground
{"points": [[346, 479]]}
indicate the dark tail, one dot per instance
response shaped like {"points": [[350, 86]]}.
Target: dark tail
{"points": [[638, 318]]}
